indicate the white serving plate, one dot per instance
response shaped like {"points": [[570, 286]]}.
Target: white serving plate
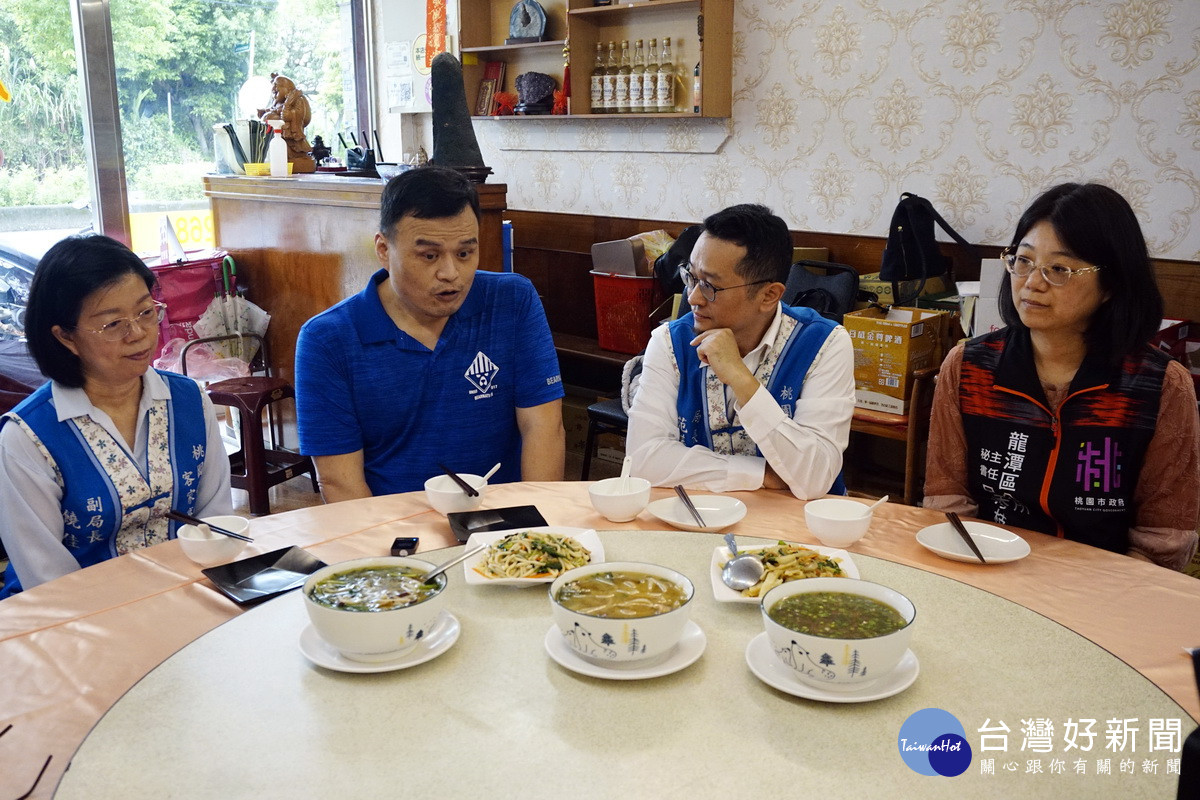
{"points": [[723, 594], [997, 545], [767, 667], [690, 647], [585, 536], [718, 511], [441, 638]]}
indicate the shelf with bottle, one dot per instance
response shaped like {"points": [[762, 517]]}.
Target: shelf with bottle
{"points": [[701, 33]]}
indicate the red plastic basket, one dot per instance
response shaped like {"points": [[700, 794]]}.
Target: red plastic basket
{"points": [[624, 308]]}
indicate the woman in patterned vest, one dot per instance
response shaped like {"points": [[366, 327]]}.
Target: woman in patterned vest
{"points": [[1066, 421], [91, 462]]}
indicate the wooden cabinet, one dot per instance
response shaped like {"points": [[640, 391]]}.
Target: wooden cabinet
{"points": [[303, 245], [701, 33]]}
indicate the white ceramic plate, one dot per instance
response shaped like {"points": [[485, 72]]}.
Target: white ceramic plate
{"points": [[997, 545], [767, 667], [724, 594], [691, 645], [718, 512], [441, 638], [585, 536]]}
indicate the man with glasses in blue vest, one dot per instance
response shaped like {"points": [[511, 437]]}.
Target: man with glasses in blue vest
{"points": [[743, 392]]}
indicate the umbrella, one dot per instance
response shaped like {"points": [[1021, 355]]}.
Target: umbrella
{"points": [[233, 315]]}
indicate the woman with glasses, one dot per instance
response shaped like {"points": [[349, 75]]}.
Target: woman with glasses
{"points": [[1066, 421], [91, 462]]}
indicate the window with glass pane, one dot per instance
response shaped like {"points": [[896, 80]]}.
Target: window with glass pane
{"points": [[184, 66], [43, 179]]}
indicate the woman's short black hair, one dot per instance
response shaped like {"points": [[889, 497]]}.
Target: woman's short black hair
{"points": [[1098, 226], [426, 193], [764, 235], [69, 272]]}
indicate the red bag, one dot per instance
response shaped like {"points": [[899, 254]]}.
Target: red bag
{"points": [[188, 288]]}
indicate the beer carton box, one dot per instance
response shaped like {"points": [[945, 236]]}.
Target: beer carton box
{"points": [[810, 254], [871, 284], [889, 345]]}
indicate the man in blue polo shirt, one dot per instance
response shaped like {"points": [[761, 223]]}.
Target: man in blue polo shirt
{"points": [[433, 362]]}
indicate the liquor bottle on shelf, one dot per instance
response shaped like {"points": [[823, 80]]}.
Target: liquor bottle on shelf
{"points": [[610, 80], [696, 89], [623, 73], [598, 81], [636, 79], [665, 90], [650, 79]]}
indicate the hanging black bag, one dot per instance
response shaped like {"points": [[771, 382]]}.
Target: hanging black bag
{"points": [[911, 252]]}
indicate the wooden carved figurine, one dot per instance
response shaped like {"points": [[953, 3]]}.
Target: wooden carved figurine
{"points": [[289, 104]]}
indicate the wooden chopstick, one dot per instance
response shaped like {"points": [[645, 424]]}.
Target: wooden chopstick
{"points": [[956, 523], [687, 501], [466, 487], [179, 516]]}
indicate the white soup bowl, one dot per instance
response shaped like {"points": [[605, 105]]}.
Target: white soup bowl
{"points": [[372, 636], [617, 503], [832, 663], [837, 521], [447, 497], [207, 548], [621, 643]]}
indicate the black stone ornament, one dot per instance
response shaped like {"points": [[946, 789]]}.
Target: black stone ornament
{"points": [[454, 142], [535, 91]]}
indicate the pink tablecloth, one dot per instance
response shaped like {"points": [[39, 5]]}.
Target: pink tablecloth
{"points": [[70, 648]]}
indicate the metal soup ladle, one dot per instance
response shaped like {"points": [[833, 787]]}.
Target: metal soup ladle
{"points": [[440, 568], [740, 572]]}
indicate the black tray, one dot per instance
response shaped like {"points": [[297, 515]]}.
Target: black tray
{"points": [[263, 576], [464, 523]]}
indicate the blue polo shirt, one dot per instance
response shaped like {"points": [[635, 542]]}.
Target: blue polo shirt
{"points": [[364, 384]]}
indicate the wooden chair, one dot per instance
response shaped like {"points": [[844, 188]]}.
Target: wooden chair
{"points": [[911, 428], [256, 467]]}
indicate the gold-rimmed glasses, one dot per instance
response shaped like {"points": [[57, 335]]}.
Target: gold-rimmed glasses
{"points": [[707, 290], [121, 328], [1055, 274]]}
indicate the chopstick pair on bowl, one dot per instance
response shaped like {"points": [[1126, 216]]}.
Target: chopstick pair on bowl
{"points": [[179, 516]]}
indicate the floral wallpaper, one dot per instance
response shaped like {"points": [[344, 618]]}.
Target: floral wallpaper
{"points": [[839, 106]]}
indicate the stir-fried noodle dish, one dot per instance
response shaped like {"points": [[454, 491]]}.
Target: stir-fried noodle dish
{"points": [[787, 562], [532, 554]]}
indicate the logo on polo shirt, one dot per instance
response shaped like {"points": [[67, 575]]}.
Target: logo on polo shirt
{"points": [[482, 375]]}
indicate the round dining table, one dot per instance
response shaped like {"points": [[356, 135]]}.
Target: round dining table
{"points": [[1066, 670]]}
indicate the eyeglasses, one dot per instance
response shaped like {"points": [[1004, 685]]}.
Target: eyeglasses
{"points": [[120, 329], [707, 290], [1055, 275]]}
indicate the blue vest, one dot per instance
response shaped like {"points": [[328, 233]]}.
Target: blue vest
{"points": [[785, 383], [91, 505]]}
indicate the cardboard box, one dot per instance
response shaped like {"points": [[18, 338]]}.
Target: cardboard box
{"points": [[882, 290], [987, 308], [888, 347], [810, 254]]}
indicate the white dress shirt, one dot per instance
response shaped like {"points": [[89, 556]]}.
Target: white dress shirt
{"points": [[805, 450], [31, 525]]}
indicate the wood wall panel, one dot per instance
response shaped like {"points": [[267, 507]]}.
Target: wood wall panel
{"points": [[542, 233], [306, 244]]}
